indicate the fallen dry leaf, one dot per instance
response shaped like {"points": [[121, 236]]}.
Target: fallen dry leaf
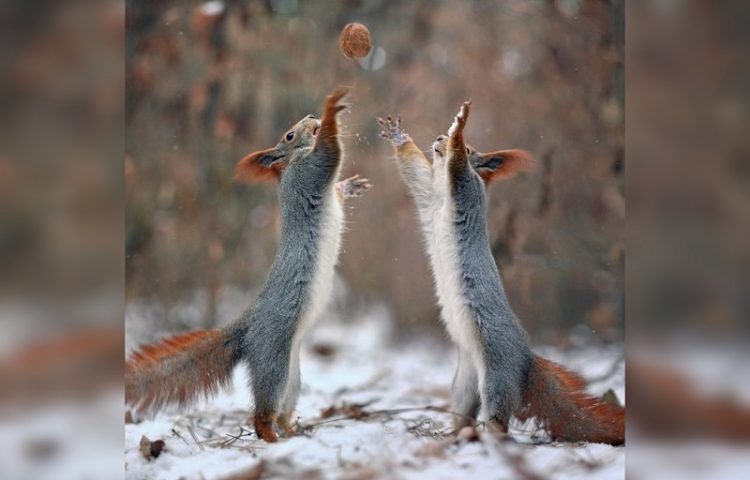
{"points": [[350, 410], [611, 397], [149, 449]]}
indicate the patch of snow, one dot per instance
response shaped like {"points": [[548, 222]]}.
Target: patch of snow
{"points": [[355, 363], [68, 440]]}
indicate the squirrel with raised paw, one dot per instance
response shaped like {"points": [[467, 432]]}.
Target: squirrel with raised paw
{"points": [[498, 374], [267, 337]]}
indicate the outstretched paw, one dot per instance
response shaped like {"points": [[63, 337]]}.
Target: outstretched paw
{"points": [[393, 131], [332, 105], [353, 187], [459, 121]]}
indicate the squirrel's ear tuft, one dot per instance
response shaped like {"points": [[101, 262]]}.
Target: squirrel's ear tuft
{"points": [[503, 164], [258, 166]]}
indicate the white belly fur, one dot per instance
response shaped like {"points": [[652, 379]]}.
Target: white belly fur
{"points": [[443, 251], [329, 245], [457, 318], [321, 287]]}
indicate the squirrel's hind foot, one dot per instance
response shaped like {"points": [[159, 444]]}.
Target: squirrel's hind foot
{"points": [[287, 428], [263, 424]]}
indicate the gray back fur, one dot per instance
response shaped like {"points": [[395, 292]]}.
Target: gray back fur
{"points": [[507, 354], [264, 333]]}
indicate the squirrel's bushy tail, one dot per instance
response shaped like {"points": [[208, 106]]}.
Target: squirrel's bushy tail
{"points": [[558, 400], [179, 369]]}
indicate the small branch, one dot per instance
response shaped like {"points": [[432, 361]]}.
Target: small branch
{"points": [[611, 371], [177, 434], [195, 438], [386, 412], [234, 438]]}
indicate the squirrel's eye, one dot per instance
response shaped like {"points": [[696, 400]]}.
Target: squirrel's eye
{"points": [[289, 136]]}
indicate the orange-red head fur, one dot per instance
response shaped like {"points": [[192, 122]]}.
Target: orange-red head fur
{"points": [[500, 165], [268, 164], [259, 166]]}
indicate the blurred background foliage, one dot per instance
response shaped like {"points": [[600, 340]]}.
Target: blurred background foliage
{"points": [[208, 82]]}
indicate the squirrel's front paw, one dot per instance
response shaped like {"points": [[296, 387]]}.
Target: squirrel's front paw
{"points": [[459, 121], [393, 131], [353, 186], [332, 101]]}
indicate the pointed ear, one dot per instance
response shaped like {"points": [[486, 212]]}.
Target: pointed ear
{"points": [[503, 164], [258, 166]]}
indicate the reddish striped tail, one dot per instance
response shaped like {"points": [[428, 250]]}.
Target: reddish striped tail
{"points": [[558, 400], [178, 369]]}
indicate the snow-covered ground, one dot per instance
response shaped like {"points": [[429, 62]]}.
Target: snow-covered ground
{"points": [[351, 368]]}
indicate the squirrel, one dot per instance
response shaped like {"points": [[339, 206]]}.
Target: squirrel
{"points": [[497, 372], [267, 337]]}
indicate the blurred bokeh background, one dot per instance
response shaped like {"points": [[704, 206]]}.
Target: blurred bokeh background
{"points": [[688, 225], [61, 239], [689, 156], [208, 82]]}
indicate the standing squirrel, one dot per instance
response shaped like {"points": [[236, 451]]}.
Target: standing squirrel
{"points": [[267, 337], [497, 371]]}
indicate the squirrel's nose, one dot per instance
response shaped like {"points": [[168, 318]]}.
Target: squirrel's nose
{"points": [[440, 138], [311, 116]]}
